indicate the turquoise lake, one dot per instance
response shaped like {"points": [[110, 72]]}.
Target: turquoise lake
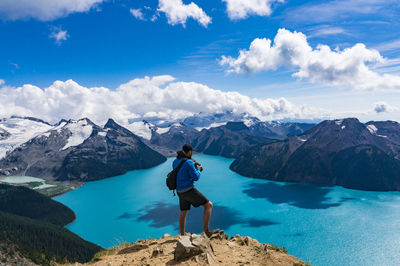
{"points": [[318, 224]]}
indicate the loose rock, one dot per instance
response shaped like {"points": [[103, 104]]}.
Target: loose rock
{"points": [[185, 249], [157, 251]]}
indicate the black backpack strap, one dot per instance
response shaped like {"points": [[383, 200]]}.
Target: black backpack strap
{"points": [[177, 170], [180, 164]]}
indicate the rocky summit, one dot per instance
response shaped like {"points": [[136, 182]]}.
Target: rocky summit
{"points": [[193, 249]]}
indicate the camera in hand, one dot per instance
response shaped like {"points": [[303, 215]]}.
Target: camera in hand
{"points": [[196, 164]]}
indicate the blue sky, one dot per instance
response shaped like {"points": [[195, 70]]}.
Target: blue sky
{"points": [[104, 44]]}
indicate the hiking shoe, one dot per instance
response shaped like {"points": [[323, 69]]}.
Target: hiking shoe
{"points": [[210, 232]]}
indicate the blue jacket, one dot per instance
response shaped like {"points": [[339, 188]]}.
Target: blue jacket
{"points": [[186, 175]]}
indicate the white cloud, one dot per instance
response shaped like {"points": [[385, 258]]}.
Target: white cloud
{"points": [[137, 13], [154, 17], [392, 45], [383, 107], [2, 82], [239, 9], [141, 98], [177, 12], [59, 35], [348, 67], [326, 30], [43, 10], [391, 65]]}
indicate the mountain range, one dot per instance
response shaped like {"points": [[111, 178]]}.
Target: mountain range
{"points": [[214, 134], [80, 150], [268, 129], [228, 140], [341, 152]]}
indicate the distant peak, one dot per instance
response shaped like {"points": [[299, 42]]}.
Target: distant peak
{"points": [[86, 119], [72, 121], [111, 124]]}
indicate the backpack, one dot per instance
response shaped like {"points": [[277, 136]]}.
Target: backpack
{"points": [[171, 177]]}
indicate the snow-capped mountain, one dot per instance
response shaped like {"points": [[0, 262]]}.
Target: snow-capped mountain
{"points": [[204, 120], [109, 151], [170, 139], [148, 129], [77, 131], [142, 128], [198, 121], [15, 131], [81, 150]]}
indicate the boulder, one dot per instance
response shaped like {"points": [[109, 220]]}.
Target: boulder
{"points": [[185, 249], [192, 245], [200, 241]]}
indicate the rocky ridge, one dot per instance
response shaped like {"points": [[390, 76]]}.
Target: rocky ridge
{"points": [[193, 249]]}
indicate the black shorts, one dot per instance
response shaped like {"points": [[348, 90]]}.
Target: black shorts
{"points": [[191, 197]]}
